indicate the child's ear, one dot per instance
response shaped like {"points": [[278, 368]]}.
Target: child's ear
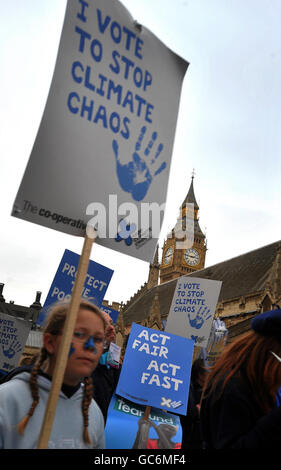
{"points": [[49, 341]]}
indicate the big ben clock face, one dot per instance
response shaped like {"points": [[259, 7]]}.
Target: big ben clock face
{"points": [[168, 256], [191, 256]]}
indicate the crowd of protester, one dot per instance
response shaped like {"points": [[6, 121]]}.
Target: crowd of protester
{"points": [[235, 404]]}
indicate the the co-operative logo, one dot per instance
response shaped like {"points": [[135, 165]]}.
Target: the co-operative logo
{"points": [[125, 232]]}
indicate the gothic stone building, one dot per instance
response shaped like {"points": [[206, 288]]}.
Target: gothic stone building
{"points": [[251, 282]]}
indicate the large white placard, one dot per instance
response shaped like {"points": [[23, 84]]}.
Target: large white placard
{"points": [[104, 145], [193, 308]]}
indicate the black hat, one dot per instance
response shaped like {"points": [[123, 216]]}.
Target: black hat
{"points": [[268, 324]]}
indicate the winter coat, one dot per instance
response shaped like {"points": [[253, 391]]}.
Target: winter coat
{"points": [[67, 429], [235, 420]]}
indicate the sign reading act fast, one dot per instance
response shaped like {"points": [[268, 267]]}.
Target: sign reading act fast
{"points": [[162, 374], [153, 371]]}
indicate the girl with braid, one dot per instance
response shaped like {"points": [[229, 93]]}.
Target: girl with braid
{"points": [[78, 421]]}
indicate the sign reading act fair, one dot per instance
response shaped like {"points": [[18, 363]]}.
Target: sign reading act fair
{"points": [[95, 286], [156, 369]]}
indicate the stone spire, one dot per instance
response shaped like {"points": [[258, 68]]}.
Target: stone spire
{"points": [[154, 267], [154, 319]]}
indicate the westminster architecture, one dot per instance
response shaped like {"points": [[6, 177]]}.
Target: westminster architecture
{"points": [[185, 248], [251, 282]]}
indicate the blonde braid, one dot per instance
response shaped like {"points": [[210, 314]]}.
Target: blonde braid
{"points": [[34, 390], [87, 398]]}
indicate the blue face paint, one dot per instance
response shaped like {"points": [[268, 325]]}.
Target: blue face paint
{"points": [[90, 344], [71, 351]]}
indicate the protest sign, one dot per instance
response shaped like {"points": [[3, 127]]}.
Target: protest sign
{"points": [[163, 429], [96, 283], [193, 308], [156, 369], [13, 336], [112, 312], [113, 356], [107, 129]]}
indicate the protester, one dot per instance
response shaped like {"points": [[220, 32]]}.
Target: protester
{"points": [[191, 430], [105, 377], [78, 421], [28, 360], [110, 333], [198, 377], [239, 407]]}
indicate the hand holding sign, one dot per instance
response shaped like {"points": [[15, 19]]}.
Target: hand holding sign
{"points": [[135, 177]]}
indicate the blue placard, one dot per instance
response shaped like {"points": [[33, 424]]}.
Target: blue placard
{"points": [[113, 313], [161, 431], [95, 286], [156, 369]]}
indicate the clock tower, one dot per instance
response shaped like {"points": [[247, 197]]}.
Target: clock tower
{"points": [[185, 248]]}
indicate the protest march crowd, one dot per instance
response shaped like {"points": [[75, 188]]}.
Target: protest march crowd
{"points": [[107, 65], [235, 404]]}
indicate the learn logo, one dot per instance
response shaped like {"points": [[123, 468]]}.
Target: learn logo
{"points": [[125, 232]]}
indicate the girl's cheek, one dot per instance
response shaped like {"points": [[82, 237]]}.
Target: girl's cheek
{"points": [[72, 349]]}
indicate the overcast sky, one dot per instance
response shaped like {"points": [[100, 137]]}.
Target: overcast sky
{"points": [[228, 131]]}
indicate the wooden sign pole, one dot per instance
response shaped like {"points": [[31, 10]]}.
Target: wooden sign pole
{"points": [[146, 413], [144, 430], [66, 339]]}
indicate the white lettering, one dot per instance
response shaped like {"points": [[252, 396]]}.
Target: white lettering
{"points": [[135, 343]]}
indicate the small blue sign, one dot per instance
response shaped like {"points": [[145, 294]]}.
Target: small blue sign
{"points": [[113, 313], [96, 283], [156, 369]]}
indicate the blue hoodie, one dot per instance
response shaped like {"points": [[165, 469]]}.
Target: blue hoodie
{"points": [[67, 429]]}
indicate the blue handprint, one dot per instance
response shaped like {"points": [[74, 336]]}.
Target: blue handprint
{"points": [[136, 176], [12, 349], [200, 318]]}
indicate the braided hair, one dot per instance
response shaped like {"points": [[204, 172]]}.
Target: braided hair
{"points": [[55, 324], [34, 390], [87, 398]]}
